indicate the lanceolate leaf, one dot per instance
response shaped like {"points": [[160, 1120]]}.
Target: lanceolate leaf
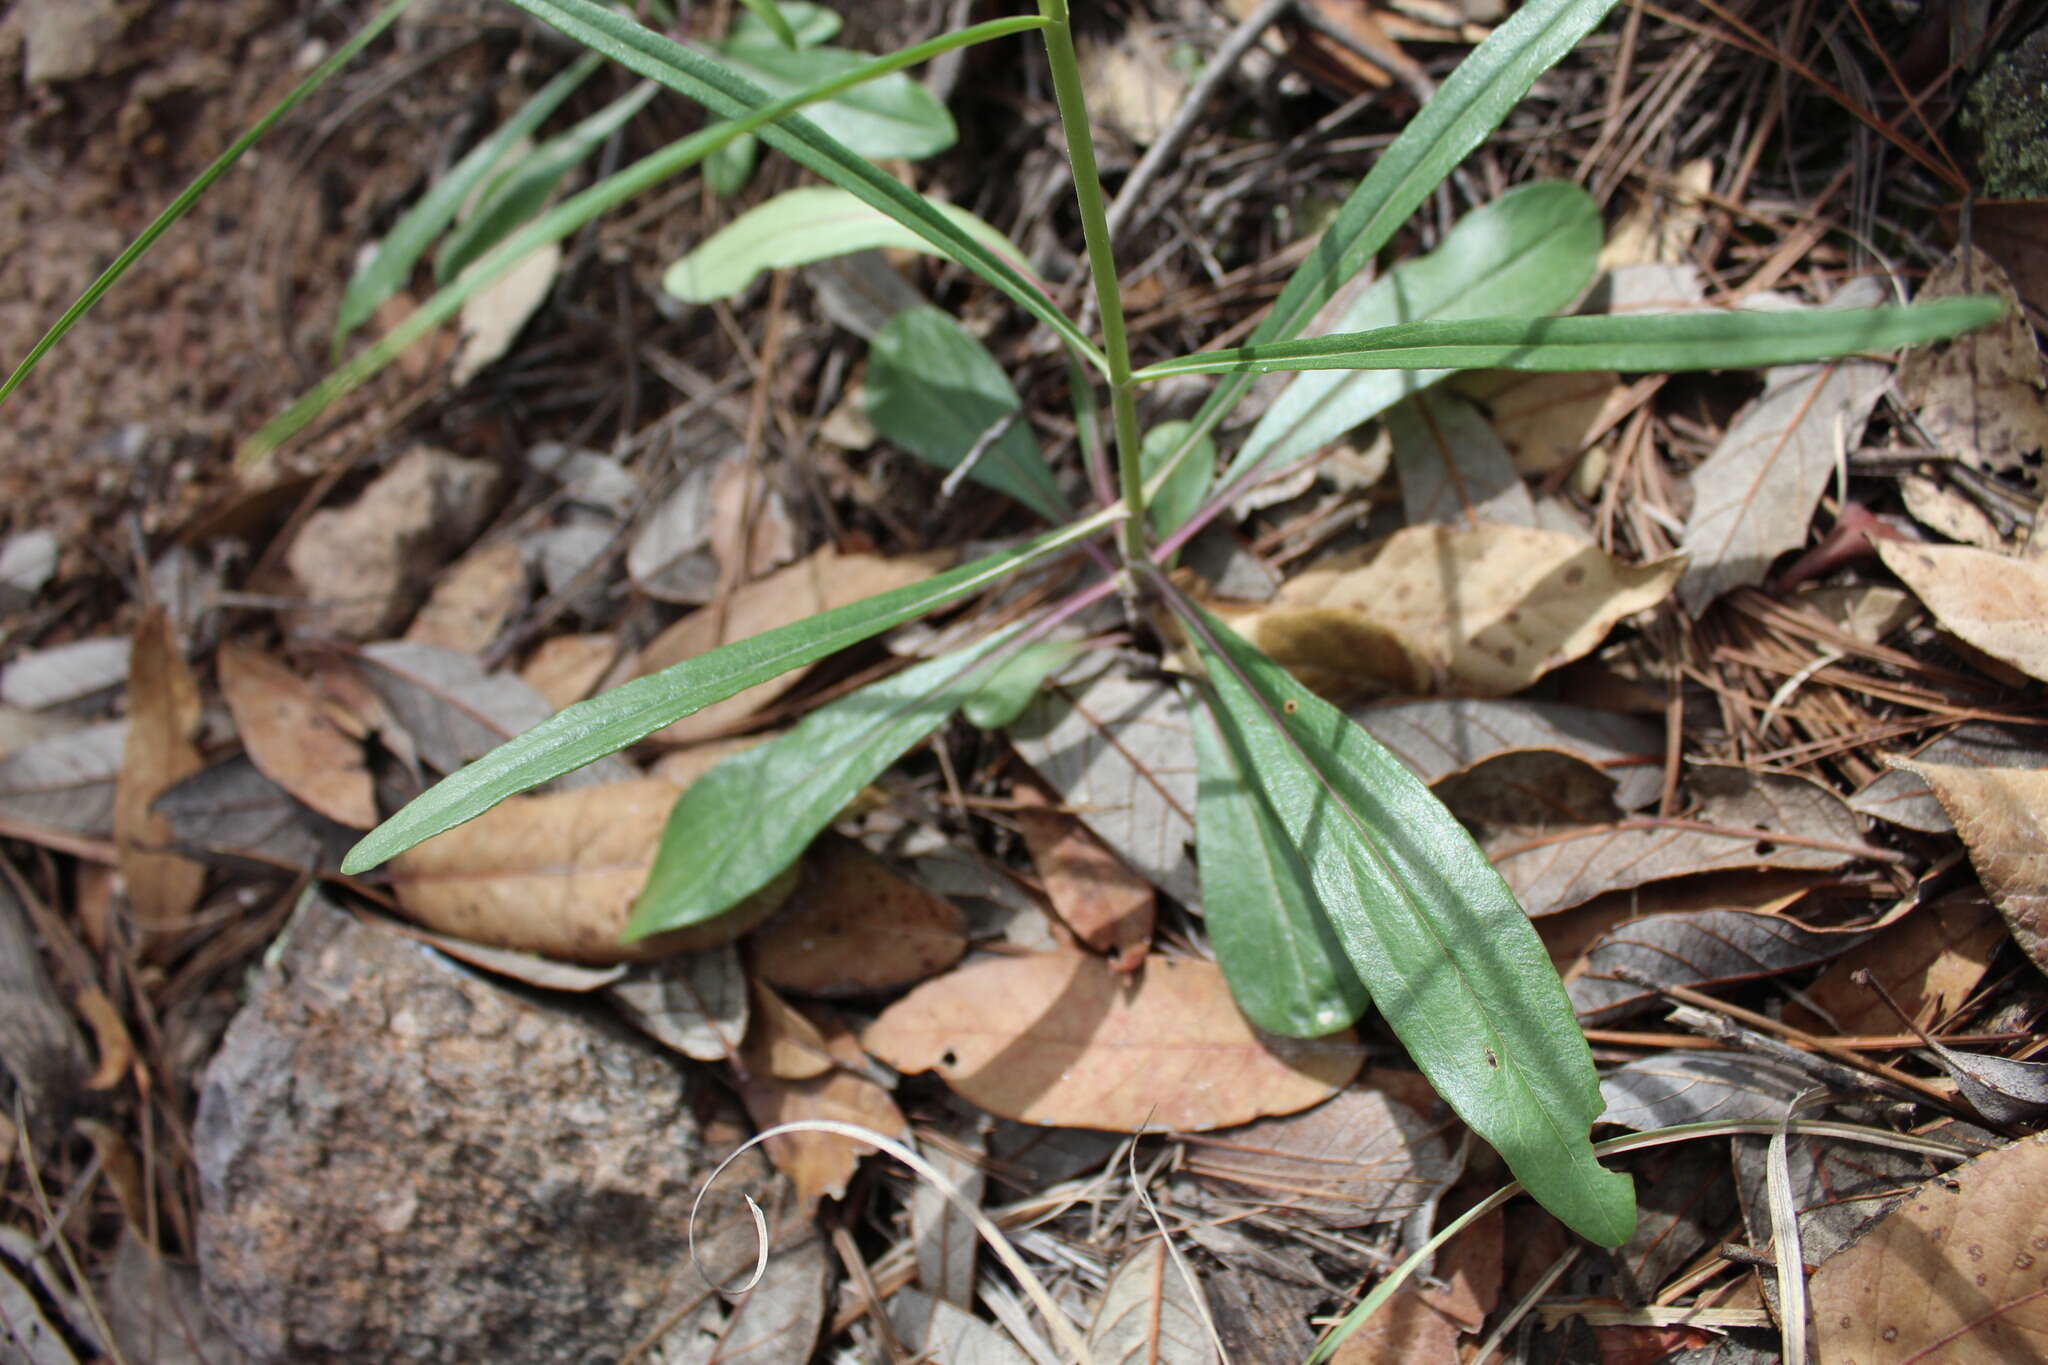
{"points": [[769, 14], [1529, 252], [891, 116], [937, 392], [606, 724], [754, 814], [1430, 928], [1674, 341], [1276, 946], [807, 24], [731, 95]]}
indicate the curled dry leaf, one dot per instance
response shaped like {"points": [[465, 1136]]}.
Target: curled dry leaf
{"points": [[2002, 814], [1061, 1038], [1486, 610], [557, 875], [1995, 602], [855, 926], [818, 1164], [163, 717], [292, 738], [1108, 907], [1359, 1159], [818, 582], [1957, 1273], [1700, 949]]}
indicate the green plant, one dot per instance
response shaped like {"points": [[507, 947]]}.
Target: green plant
{"points": [[1332, 878]]}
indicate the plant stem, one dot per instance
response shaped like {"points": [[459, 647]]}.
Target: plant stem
{"points": [[1066, 84]]}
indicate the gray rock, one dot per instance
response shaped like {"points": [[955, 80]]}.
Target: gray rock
{"points": [[402, 1161]]}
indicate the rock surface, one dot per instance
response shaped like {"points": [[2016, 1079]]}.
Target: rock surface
{"points": [[402, 1161]]}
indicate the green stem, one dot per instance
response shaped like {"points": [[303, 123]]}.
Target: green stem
{"points": [[1066, 84]]}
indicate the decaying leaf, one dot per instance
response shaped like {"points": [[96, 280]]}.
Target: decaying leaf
{"points": [[1118, 750], [818, 582], [1992, 601], [1062, 1038], [1405, 1331], [163, 718], [557, 875], [1929, 961], [1545, 420], [1453, 468], [292, 738], [1902, 797], [774, 1323], [1437, 739], [818, 1164], [1358, 1159], [1700, 949], [40, 1045], [64, 673], [231, 810], [493, 316], [695, 1003], [1486, 610], [67, 780], [568, 668], [936, 1330], [1108, 907], [1753, 498], [473, 600], [1957, 1273], [947, 1243], [2002, 814], [1983, 397], [855, 926], [1152, 1311], [1697, 1087]]}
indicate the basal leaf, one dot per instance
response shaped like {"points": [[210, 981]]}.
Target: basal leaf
{"points": [[606, 724], [890, 116], [800, 226], [519, 191], [1011, 684], [754, 814], [1666, 342], [728, 169], [769, 16], [938, 393], [1276, 947], [1186, 484], [1429, 927], [808, 25], [385, 272], [1529, 252]]}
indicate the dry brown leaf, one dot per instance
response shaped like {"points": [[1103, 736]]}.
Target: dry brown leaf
{"points": [[1152, 1311], [163, 718], [557, 875], [1930, 961], [568, 668], [855, 926], [2002, 814], [1131, 83], [1983, 397], [1545, 420], [1062, 1039], [494, 315], [473, 600], [1488, 609], [813, 584], [1659, 228], [1469, 1271], [1958, 1273], [1110, 907], [1992, 601], [1406, 1331], [781, 1041], [818, 1164], [290, 733], [739, 499]]}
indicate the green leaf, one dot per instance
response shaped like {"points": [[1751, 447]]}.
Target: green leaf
{"points": [[1470, 104], [890, 116], [800, 226], [1529, 252], [1014, 681], [386, 271], [1429, 926], [518, 192], [189, 196], [1664, 342], [728, 169], [1181, 494], [938, 393], [807, 24], [1285, 965], [605, 724], [754, 814], [730, 95], [769, 16]]}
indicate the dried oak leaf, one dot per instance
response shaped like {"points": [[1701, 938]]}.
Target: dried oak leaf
{"points": [[1983, 397], [855, 926], [1109, 907], [292, 738], [163, 717], [1061, 1038], [818, 1164], [2002, 815], [1957, 1273], [1995, 602]]}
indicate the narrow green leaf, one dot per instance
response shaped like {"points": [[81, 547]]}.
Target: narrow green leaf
{"points": [[1285, 965], [1185, 485], [728, 169], [518, 192], [808, 24], [730, 95], [938, 393], [889, 116], [1529, 252], [1470, 104], [1656, 344], [754, 814], [1014, 681], [605, 724], [769, 15], [189, 196], [1429, 926], [800, 226], [387, 269]]}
